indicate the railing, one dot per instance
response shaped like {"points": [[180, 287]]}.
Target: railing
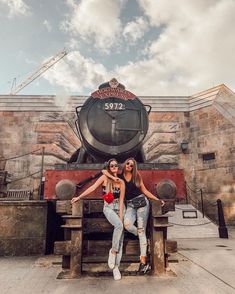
{"points": [[194, 200], [199, 202], [40, 188], [19, 194], [197, 199]]}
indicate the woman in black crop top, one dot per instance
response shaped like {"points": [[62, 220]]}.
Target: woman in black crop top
{"points": [[113, 211], [135, 188]]}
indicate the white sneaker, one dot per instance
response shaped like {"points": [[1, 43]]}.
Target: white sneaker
{"points": [[111, 259], [116, 273]]}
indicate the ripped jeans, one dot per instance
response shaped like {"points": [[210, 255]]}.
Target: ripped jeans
{"points": [[111, 212], [141, 215]]}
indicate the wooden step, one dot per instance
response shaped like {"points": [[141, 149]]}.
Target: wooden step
{"points": [[71, 226], [93, 206], [160, 224], [104, 258], [95, 225], [73, 221], [98, 247]]}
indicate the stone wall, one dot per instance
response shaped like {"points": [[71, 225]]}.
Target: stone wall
{"points": [[23, 227], [27, 133], [210, 132], [207, 131], [163, 139], [206, 121]]}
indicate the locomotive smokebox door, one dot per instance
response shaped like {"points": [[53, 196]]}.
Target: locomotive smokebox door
{"points": [[112, 122]]}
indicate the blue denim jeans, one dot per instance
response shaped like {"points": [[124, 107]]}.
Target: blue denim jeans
{"points": [[111, 211], [141, 215]]}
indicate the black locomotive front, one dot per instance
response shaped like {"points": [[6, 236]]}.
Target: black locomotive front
{"points": [[112, 122]]}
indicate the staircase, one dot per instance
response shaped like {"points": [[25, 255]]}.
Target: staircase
{"points": [[87, 240]]}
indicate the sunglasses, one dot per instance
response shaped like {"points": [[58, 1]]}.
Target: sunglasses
{"points": [[129, 164], [113, 165]]}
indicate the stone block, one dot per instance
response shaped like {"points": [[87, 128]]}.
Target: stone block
{"points": [[52, 149], [162, 149], [23, 227], [163, 116], [170, 159], [164, 127], [59, 127], [158, 138], [22, 247]]}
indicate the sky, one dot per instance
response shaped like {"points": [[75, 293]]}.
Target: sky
{"points": [[153, 47]]}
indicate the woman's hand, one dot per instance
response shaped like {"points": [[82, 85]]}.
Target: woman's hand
{"points": [[108, 175], [75, 199], [162, 202]]}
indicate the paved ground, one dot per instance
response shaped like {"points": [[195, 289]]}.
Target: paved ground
{"points": [[204, 266], [200, 227]]}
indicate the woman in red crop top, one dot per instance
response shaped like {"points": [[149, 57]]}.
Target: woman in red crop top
{"points": [[113, 211]]}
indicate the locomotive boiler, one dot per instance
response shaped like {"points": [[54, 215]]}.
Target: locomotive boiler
{"points": [[112, 122]]}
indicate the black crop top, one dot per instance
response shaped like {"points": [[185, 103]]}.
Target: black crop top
{"points": [[131, 190], [116, 191]]}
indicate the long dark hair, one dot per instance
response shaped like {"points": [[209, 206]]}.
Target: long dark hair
{"points": [[109, 186], [136, 178]]}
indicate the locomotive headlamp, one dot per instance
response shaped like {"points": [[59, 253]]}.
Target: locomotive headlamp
{"points": [[184, 145]]}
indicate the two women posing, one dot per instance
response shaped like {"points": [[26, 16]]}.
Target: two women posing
{"points": [[128, 185]]}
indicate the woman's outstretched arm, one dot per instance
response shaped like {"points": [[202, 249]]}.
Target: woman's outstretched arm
{"points": [[89, 190], [147, 193]]}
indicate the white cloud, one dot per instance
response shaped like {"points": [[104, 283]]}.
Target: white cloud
{"points": [[135, 30], [167, 12], [75, 73], [95, 21], [47, 25], [194, 51], [16, 7]]}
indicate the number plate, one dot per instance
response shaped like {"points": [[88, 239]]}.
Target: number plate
{"points": [[114, 106]]}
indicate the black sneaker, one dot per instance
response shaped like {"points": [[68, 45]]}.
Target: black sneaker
{"points": [[143, 268]]}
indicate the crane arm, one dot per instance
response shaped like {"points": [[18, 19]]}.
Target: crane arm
{"points": [[45, 66]]}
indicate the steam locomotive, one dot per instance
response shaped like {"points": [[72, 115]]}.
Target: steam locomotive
{"points": [[112, 122]]}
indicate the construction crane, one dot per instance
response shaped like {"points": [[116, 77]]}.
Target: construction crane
{"points": [[45, 66]]}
